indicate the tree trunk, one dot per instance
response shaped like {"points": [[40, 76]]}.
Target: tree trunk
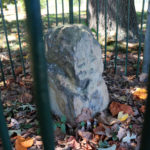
{"points": [[111, 18]]}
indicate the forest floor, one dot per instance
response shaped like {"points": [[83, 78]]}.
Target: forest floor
{"points": [[117, 128]]}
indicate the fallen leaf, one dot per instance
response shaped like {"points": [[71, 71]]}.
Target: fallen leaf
{"points": [[100, 130], [121, 133], [14, 123], [84, 116], [95, 139], [85, 135], [143, 77], [26, 97], [142, 109], [38, 143], [122, 117], [28, 142], [18, 70], [129, 137], [140, 94], [116, 107], [22, 143], [106, 119], [73, 143]]}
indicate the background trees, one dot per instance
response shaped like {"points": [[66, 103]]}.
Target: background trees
{"points": [[111, 17]]}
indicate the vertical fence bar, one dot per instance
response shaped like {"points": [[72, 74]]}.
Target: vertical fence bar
{"points": [[145, 66], [127, 38], [47, 3], [105, 63], [116, 44], [2, 71], [87, 12], [34, 23], [97, 19], [56, 13], [140, 38], [18, 31], [3, 130], [79, 11], [63, 18], [71, 11], [145, 144], [6, 36]]}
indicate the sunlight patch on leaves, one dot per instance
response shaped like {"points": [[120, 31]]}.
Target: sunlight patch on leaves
{"points": [[140, 93]]}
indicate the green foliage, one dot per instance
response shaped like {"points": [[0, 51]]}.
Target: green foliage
{"points": [[82, 124], [6, 2], [61, 125], [63, 119], [114, 137], [75, 2], [103, 144], [63, 128]]}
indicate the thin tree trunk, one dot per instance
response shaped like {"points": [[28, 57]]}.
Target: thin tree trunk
{"points": [[111, 18]]}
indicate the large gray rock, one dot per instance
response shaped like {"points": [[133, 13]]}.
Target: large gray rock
{"points": [[75, 71]]}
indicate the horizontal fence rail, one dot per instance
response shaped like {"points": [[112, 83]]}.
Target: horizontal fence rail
{"points": [[68, 15]]}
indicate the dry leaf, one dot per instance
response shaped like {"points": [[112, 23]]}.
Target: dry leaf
{"points": [[18, 70], [143, 77], [84, 116], [129, 137], [100, 130], [73, 143], [121, 133], [142, 109], [122, 117], [107, 119], [22, 143], [85, 135], [140, 93], [116, 107]]}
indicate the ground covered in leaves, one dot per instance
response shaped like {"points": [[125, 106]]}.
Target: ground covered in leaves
{"points": [[117, 128]]}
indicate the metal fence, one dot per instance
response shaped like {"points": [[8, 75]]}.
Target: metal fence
{"points": [[39, 65]]}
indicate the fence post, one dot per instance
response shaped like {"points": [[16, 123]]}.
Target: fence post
{"points": [[87, 12], [56, 12], [71, 11], [116, 43], [34, 23], [79, 1], [2, 71], [140, 36], [6, 36], [47, 3], [145, 142], [106, 4], [63, 16], [19, 39], [97, 18], [146, 60], [127, 38], [3, 130]]}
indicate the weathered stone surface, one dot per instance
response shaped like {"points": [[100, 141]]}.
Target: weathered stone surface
{"points": [[75, 71]]}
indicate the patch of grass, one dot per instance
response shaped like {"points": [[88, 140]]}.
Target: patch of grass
{"points": [[139, 14]]}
